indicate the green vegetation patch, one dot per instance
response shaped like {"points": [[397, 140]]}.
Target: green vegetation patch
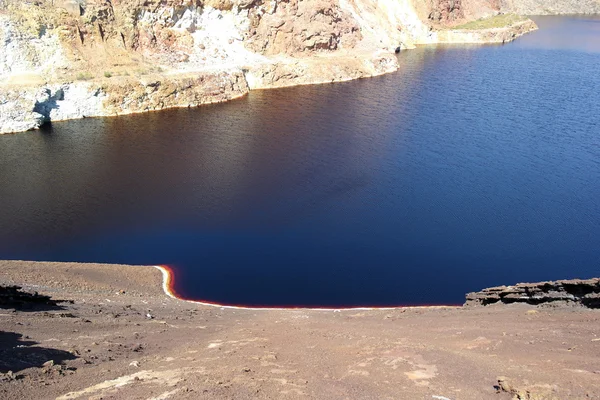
{"points": [[84, 76], [498, 21]]}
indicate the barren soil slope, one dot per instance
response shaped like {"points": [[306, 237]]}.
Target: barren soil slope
{"points": [[124, 338]]}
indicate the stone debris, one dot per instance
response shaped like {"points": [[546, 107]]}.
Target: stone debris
{"points": [[7, 377], [439, 353], [138, 347], [529, 392]]}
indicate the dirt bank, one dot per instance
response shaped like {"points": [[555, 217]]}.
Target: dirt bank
{"points": [[123, 338]]}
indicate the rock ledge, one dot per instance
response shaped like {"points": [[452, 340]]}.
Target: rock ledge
{"points": [[584, 292]]}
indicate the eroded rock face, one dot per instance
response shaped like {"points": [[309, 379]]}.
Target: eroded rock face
{"points": [[294, 26], [17, 111], [446, 11], [25, 49], [24, 108], [123, 35], [573, 292], [94, 57], [61, 38], [449, 13], [158, 92]]}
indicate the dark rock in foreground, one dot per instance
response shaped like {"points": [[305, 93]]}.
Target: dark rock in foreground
{"points": [[585, 292]]}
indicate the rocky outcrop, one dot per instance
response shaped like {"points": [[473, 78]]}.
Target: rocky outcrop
{"points": [[297, 27], [572, 292], [27, 107], [442, 14], [157, 92], [446, 11], [25, 52], [17, 111]]}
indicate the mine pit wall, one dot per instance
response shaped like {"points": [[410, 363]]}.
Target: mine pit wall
{"points": [[66, 59], [25, 107]]}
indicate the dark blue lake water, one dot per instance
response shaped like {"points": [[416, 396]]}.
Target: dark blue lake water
{"points": [[470, 167]]}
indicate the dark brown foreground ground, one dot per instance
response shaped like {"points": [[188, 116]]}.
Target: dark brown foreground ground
{"points": [[123, 338]]}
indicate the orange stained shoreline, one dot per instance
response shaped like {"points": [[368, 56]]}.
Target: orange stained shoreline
{"points": [[169, 288]]}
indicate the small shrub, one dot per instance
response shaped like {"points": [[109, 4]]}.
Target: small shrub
{"points": [[107, 74], [498, 21], [84, 76]]}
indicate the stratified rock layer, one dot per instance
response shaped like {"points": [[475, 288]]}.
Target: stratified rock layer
{"points": [[24, 107], [575, 292]]}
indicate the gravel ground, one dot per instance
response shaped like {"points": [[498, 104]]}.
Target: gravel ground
{"points": [[121, 337]]}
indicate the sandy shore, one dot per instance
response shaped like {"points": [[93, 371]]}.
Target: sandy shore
{"points": [[122, 337]]}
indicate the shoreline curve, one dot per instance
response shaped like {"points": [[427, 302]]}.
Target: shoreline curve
{"points": [[168, 285]]}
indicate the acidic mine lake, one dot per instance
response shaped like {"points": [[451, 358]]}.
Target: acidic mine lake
{"points": [[470, 167]]}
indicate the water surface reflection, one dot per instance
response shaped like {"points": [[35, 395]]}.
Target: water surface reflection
{"points": [[470, 167]]}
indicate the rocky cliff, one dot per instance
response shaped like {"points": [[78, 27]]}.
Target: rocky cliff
{"points": [[581, 292], [62, 59]]}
